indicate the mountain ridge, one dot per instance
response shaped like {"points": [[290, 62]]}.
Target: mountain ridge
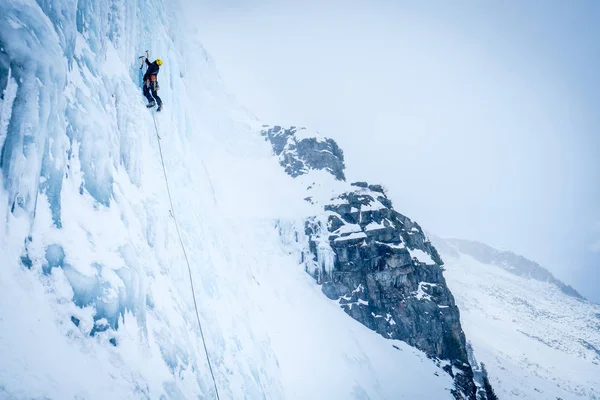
{"points": [[511, 262], [536, 340]]}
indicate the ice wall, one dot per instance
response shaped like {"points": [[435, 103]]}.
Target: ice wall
{"points": [[83, 207]]}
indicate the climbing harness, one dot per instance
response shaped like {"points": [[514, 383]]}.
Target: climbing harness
{"points": [[172, 212]]}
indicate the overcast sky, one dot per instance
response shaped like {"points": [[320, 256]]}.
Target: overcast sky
{"points": [[481, 118]]}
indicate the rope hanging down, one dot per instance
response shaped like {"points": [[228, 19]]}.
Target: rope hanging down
{"points": [[162, 161]]}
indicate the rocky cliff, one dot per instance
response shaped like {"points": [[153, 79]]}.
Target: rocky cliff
{"points": [[378, 264], [298, 155]]}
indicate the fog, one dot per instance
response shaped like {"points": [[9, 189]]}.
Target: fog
{"points": [[481, 119]]}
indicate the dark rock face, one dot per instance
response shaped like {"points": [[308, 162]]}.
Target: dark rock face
{"points": [[378, 264], [387, 275], [298, 156], [509, 261]]}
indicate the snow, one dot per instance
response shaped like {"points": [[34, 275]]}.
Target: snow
{"points": [[374, 226], [337, 202], [348, 228], [421, 256], [536, 342], [400, 246], [372, 206], [359, 302], [352, 236], [307, 133], [360, 288], [95, 292], [421, 294], [389, 319]]}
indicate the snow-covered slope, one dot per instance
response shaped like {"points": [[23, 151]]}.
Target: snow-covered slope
{"points": [[95, 292], [537, 341]]}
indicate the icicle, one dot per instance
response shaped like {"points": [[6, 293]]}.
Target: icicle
{"points": [[9, 94], [325, 257]]}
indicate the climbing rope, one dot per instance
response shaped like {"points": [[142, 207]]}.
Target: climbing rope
{"points": [[172, 212], [212, 188]]}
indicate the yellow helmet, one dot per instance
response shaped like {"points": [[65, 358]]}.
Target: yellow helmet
{"points": [[158, 62]]}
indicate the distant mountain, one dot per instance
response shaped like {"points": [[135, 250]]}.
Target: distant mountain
{"points": [[538, 337], [511, 262]]}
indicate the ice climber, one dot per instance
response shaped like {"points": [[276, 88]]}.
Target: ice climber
{"points": [[151, 84]]}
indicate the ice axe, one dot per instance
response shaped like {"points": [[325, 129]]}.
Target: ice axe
{"points": [[142, 58]]}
